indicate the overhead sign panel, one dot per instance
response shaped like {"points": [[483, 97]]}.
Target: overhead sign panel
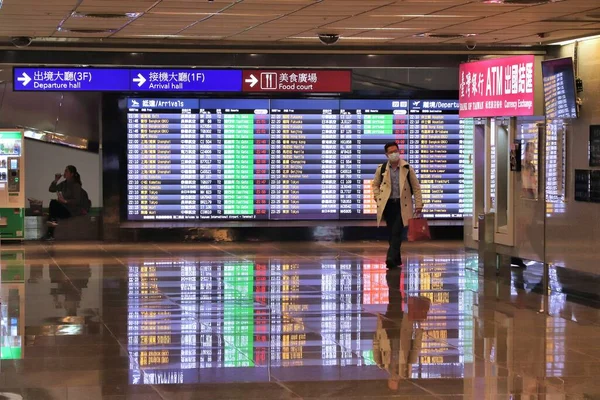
{"points": [[500, 87], [126, 80], [297, 81], [181, 80], [186, 80], [70, 79]]}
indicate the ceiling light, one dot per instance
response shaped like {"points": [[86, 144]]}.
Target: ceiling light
{"points": [[444, 35], [105, 15], [422, 16], [366, 38], [379, 29], [213, 14], [344, 38], [175, 36], [86, 30], [571, 41], [521, 2]]}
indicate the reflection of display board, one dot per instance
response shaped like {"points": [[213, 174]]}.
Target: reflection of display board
{"points": [[595, 186], [582, 185], [594, 144], [12, 185], [556, 170], [246, 321], [303, 159], [12, 305], [530, 161], [559, 88]]}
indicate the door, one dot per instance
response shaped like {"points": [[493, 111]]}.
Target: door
{"points": [[501, 179], [480, 160]]}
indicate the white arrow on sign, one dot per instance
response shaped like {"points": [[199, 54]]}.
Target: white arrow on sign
{"points": [[252, 81], [25, 79], [140, 80]]}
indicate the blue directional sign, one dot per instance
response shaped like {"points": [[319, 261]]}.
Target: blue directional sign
{"points": [[126, 80], [186, 80], [70, 79]]}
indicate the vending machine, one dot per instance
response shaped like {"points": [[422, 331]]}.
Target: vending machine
{"points": [[12, 185]]}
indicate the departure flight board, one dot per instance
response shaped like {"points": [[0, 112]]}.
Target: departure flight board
{"points": [[278, 159]]}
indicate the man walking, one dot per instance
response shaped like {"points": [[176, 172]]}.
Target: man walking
{"points": [[394, 186]]}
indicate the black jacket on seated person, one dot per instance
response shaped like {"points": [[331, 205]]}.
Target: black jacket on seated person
{"points": [[71, 192]]}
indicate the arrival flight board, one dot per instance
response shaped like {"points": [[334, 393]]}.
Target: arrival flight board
{"points": [[303, 159]]}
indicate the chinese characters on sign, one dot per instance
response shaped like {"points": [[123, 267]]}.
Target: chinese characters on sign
{"points": [[498, 87], [304, 81]]}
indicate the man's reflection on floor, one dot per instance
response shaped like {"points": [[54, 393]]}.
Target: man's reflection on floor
{"points": [[398, 339]]}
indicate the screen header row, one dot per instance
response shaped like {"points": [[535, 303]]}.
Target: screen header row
{"points": [[363, 105]]}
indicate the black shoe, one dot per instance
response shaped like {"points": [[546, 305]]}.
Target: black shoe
{"points": [[48, 238]]}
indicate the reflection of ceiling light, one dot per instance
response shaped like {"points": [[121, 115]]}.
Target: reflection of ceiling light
{"points": [[421, 16], [344, 38], [1, 3], [571, 41], [105, 15]]}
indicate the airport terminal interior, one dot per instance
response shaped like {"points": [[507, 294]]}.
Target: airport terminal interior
{"points": [[299, 199]]}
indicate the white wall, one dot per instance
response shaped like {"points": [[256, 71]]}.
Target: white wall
{"points": [[43, 160]]}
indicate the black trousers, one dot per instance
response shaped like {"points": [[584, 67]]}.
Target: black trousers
{"points": [[57, 211], [396, 231]]}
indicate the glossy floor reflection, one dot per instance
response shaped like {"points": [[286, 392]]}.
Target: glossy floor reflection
{"points": [[286, 321]]}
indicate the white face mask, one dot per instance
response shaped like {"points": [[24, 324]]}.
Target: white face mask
{"points": [[394, 157]]}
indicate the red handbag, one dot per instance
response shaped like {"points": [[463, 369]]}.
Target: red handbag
{"points": [[418, 230]]}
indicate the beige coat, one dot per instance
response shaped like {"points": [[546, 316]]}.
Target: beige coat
{"points": [[382, 190]]}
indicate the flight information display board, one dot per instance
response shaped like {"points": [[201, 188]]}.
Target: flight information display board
{"points": [[365, 127], [304, 154], [278, 159], [439, 153]]}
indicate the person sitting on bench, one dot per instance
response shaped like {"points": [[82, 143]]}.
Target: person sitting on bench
{"points": [[70, 198]]}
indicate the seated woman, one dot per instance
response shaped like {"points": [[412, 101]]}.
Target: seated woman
{"points": [[69, 202]]}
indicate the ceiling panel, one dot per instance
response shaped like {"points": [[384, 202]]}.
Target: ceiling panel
{"points": [[114, 6], [365, 21]]}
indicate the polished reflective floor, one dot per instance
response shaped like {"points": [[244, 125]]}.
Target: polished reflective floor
{"points": [[287, 321]]}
